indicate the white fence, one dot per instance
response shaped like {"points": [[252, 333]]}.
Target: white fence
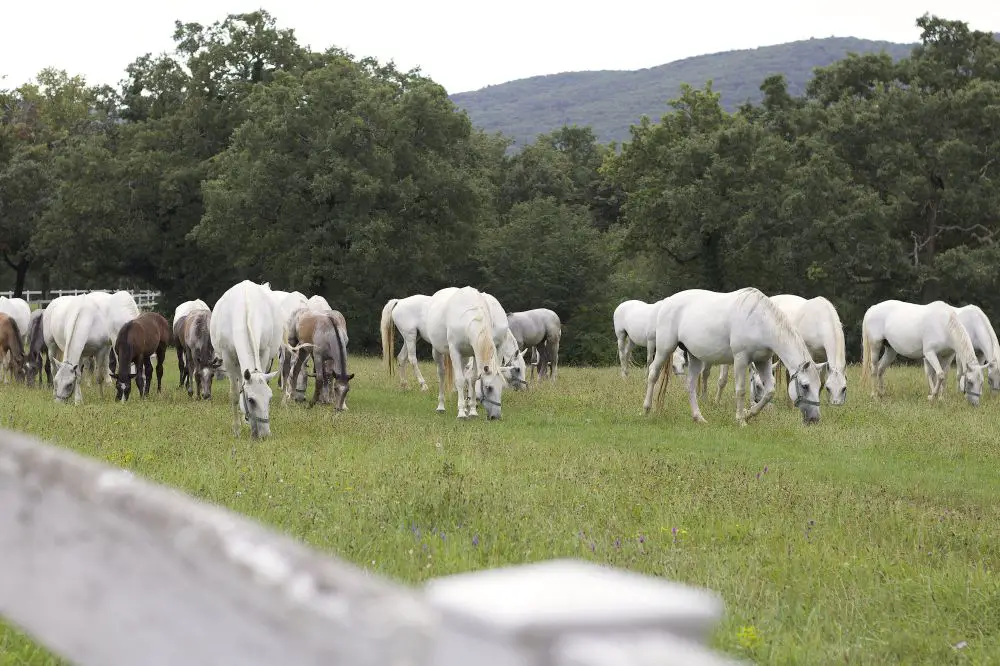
{"points": [[107, 569], [144, 299]]}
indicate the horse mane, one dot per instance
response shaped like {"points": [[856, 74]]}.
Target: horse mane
{"points": [[991, 331], [960, 340], [485, 348], [199, 324], [342, 369], [754, 298], [123, 342], [839, 360]]}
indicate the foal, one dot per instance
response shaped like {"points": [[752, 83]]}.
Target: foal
{"points": [[10, 343], [137, 341]]}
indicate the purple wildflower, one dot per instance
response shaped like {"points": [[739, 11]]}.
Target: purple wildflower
{"points": [[642, 539], [475, 540], [618, 543]]}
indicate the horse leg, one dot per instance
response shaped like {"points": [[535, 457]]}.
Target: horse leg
{"points": [[293, 377], [883, 363], [234, 397], [652, 375], [159, 367], [929, 376], [147, 374], [458, 370], [721, 383], [411, 356], [180, 363], [439, 361], [624, 351], [763, 371], [470, 388], [402, 359], [553, 345], [694, 378], [931, 358], [946, 362]]}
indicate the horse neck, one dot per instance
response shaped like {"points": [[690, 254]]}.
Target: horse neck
{"points": [[341, 348], [993, 353], [833, 338], [782, 337], [481, 336], [960, 341]]}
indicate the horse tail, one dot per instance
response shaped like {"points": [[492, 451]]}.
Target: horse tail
{"points": [[866, 356], [777, 367], [449, 379], [388, 330]]}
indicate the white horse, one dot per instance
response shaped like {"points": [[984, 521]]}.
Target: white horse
{"points": [[119, 309], [318, 304], [75, 328], [930, 332], [287, 303], [733, 328], [459, 324], [408, 316], [818, 323], [984, 342], [246, 331], [20, 312], [635, 326], [512, 365]]}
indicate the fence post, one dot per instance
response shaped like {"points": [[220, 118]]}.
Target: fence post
{"points": [[538, 614]]}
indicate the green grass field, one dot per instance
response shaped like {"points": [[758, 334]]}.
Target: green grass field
{"points": [[870, 538]]}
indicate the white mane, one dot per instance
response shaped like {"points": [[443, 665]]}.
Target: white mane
{"points": [[839, 360], [960, 341], [483, 344], [751, 298]]}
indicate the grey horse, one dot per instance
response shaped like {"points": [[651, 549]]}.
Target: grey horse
{"points": [[200, 360], [539, 329]]}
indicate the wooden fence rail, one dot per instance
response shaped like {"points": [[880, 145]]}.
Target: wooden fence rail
{"points": [[144, 299], [107, 569]]}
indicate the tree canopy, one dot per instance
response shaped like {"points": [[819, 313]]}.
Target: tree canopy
{"points": [[243, 154]]}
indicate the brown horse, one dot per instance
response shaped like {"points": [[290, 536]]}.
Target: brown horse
{"points": [[137, 341], [324, 334], [10, 343]]}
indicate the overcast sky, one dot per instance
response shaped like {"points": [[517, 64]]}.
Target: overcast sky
{"points": [[464, 45]]}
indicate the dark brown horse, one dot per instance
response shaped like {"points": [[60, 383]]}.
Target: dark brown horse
{"points": [[137, 341], [10, 341]]}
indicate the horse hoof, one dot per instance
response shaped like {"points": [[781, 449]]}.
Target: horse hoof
{"points": [[698, 418], [439, 410], [424, 387]]}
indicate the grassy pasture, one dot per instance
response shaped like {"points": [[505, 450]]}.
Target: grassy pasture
{"points": [[871, 538]]}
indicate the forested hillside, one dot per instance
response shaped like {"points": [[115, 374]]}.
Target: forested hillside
{"points": [[245, 155], [611, 101]]}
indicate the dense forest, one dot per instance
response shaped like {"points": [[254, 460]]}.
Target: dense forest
{"points": [[243, 154], [610, 101]]}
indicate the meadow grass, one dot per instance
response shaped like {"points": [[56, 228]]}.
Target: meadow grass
{"points": [[870, 538]]}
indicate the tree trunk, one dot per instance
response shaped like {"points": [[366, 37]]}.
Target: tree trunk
{"points": [[21, 271], [929, 289]]}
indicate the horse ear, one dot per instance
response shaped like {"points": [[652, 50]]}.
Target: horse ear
{"points": [[523, 353], [246, 375], [822, 366], [111, 374], [267, 377], [216, 362]]}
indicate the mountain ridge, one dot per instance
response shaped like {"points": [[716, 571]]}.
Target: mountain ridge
{"points": [[610, 100]]}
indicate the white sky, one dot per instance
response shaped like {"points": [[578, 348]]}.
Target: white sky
{"points": [[462, 45]]}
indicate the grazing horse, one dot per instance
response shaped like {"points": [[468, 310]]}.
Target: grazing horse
{"points": [[10, 344], [539, 328], [199, 354], [180, 312], [76, 329], [287, 302], [931, 332], [984, 342], [409, 316], [20, 313], [137, 341], [36, 347], [322, 335], [635, 326], [246, 332], [459, 325], [734, 328], [818, 323], [118, 308]]}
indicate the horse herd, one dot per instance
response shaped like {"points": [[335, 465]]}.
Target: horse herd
{"points": [[479, 348]]}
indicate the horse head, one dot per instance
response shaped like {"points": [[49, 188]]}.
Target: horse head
{"points": [[993, 374], [65, 380], [340, 383], [803, 390], [835, 384], [255, 402], [757, 388], [515, 371], [489, 386], [678, 361], [970, 382]]}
